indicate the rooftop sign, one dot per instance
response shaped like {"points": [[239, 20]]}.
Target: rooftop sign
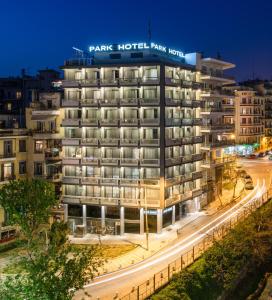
{"points": [[135, 46]]}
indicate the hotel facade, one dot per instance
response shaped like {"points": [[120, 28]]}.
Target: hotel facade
{"points": [[135, 136]]}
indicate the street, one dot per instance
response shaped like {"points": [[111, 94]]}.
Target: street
{"points": [[121, 282]]}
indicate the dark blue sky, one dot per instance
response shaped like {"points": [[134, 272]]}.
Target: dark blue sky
{"points": [[38, 34]]}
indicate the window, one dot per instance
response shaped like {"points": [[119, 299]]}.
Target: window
{"points": [[22, 145], [22, 167], [7, 148], [8, 171], [40, 126], [8, 106], [18, 95], [38, 169], [49, 104], [38, 146]]}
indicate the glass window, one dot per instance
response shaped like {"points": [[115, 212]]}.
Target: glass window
{"points": [[8, 171], [38, 146], [22, 145], [38, 169], [22, 167]]}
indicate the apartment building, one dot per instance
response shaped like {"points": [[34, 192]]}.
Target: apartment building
{"points": [[13, 158], [132, 140], [16, 93], [249, 115], [43, 121], [218, 121]]}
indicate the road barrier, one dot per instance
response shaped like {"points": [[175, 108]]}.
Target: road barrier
{"points": [[163, 277]]}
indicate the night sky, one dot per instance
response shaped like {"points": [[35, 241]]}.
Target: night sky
{"points": [[39, 34]]}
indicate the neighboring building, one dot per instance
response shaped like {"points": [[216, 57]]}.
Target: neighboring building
{"points": [[249, 116], [218, 121], [43, 120], [13, 158], [16, 93]]}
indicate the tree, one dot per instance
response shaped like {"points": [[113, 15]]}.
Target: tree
{"points": [[28, 204], [52, 269]]}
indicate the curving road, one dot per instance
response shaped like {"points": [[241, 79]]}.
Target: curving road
{"points": [[121, 282]]}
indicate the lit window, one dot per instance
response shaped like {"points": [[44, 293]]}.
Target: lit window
{"points": [[38, 146]]}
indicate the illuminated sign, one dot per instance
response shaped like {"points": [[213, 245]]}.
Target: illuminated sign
{"points": [[135, 46]]}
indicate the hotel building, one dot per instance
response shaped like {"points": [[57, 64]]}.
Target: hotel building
{"points": [[133, 135]]}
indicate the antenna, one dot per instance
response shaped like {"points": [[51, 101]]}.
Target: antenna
{"points": [[149, 31]]}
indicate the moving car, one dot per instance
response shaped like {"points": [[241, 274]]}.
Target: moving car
{"points": [[247, 177], [261, 154]]}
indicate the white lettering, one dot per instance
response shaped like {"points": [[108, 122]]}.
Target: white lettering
{"points": [[91, 48], [109, 48], [134, 46], [121, 47], [128, 46], [146, 46], [140, 45]]}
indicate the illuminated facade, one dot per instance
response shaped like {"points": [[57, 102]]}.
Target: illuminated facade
{"points": [[132, 140]]}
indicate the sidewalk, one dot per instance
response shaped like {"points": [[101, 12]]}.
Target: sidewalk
{"points": [[156, 243]]}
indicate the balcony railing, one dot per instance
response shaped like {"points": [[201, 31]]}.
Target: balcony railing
{"points": [[7, 155]]}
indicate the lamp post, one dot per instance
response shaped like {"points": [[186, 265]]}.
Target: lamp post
{"points": [[146, 221]]}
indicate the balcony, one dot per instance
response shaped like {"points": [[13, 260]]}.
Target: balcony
{"points": [[209, 163], [129, 142], [89, 122], [150, 80], [109, 102], [89, 102], [150, 142], [109, 161], [8, 156], [129, 81], [109, 122], [70, 122], [218, 127], [71, 141], [70, 180], [90, 180], [172, 161], [89, 141], [109, 142], [129, 122], [129, 162], [71, 161], [129, 102], [149, 102], [109, 181], [89, 82], [150, 162], [218, 144], [150, 122], [70, 103], [89, 160], [52, 154]]}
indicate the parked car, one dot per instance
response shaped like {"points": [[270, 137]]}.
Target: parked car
{"points": [[247, 177], [270, 157], [261, 154], [249, 186], [243, 173]]}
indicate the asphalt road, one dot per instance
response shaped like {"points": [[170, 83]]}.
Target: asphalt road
{"points": [[122, 282]]}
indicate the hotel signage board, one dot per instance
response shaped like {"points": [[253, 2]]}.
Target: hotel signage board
{"points": [[135, 46]]}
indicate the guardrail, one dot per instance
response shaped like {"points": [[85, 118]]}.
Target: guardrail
{"points": [[160, 279]]}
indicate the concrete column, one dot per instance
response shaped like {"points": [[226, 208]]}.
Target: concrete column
{"points": [[102, 216], [142, 229], [65, 206], [174, 214], [84, 215], [159, 220], [122, 220]]}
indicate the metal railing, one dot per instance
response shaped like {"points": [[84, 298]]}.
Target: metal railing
{"points": [[160, 279]]}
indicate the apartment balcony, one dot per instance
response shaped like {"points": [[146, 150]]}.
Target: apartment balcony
{"points": [[130, 122], [70, 180], [129, 81], [150, 122], [197, 157], [43, 112], [75, 161], [109, 142], [109, 122], [8, 156], [89, 160], [149, 102], [89, 102], [208, 93], [215, 77], [150, 162], [187, 158], [89, 142], [134, 182], [129, 162], [89, 82], [89, 122], [150, 142], [197, 175], [52, 154], [109, 181], [172, 161], [109, 161], [210, 163], [129, 142], [90, 180], [218, 127], [71, 141], [218, 144], [70, 122], [150, 80], [70, 83], [173, 122], [70, 103], [182, 102], [109, 81], [109, 102], [178, 198], [129, 102]]}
